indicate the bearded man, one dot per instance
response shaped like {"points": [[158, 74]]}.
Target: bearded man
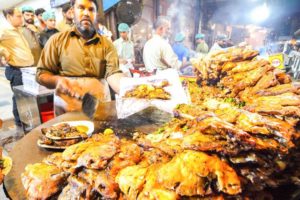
{"points": [[79, 60]]}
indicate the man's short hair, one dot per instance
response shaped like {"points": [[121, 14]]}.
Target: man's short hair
{"points": [[161, 21], [9, 11], [39, 11], [66, 7], [94, 1]]}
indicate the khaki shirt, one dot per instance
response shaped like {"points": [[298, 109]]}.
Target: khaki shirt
{"points": [[32, 39], [63, 26], [14, 45], [202, 48], [68, 54]]}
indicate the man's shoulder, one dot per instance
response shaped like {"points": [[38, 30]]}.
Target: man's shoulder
{"points": [[117, 41], [60, 36]]}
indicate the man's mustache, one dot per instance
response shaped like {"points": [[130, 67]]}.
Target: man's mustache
{"points": [[29, 21], [87, 19]]}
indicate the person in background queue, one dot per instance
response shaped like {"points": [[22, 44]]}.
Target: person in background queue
{"points": [[40, 22], [67, 22], [219, 43], [124, 45], [31, 33], [16, 52], [79, 52], [180, 50], [49, 18], [202, 47], [158, 53]]}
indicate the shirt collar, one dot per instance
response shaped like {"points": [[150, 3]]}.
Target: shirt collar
{"points": [[95, 40], [10, 27], [157, 36]]}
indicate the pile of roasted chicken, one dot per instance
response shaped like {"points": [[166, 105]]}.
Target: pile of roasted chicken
{"points": [[237, 137]]}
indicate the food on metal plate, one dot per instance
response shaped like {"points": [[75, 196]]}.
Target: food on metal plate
{"points": [[65, 131], [149, 91]]}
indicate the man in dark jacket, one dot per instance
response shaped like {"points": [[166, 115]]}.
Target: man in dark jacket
{"points": [[49, 19]]}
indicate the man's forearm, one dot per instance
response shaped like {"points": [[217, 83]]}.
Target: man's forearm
{"points": [[48, 80], [114, 81]]}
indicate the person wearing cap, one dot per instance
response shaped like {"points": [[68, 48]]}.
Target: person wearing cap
{"points": [[31, 33], [124, 45], [49, 18], [40, 22], [219, 43], [79, 60], [202, 47], [179, 49], [68, 16], [16, 52]]}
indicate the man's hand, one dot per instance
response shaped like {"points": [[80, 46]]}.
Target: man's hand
{"points": [[32, 28], [4, 56], [69, 87], [3, 61], [114, 81]]}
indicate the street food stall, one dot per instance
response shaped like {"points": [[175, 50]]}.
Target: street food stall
{"points": [[237, 138]]}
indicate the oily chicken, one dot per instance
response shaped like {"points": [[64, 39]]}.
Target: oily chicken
{"points": [[42, 181]]}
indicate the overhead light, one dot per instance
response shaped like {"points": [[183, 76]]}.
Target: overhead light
{"points": [[260, 13]]}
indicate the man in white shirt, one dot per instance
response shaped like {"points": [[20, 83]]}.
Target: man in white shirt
{"points": [[124, 45], [219, 43], [158, 53]]}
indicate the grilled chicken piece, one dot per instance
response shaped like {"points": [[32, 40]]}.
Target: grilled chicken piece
{"points": [[108, 139], [279, 89], [211, 143], [286, 99], [288, 111], [228, 66], [74, 151], [129, 154], [90, 184], [191, 111], [282, 77], [240, 81], [145, 91], [153, 189], [266, 81], [42, 181], [100, 182], [131, 180], [96, 155], [152, 156], [54, 159], [235, 54], [69, 193], [248, 66], [77, 189], [188, 174], [250, 78]]}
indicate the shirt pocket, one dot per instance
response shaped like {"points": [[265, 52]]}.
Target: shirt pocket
{"points": [[99, 67]]}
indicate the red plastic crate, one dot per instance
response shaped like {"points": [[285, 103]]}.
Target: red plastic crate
{"points": [[46, 111]]}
